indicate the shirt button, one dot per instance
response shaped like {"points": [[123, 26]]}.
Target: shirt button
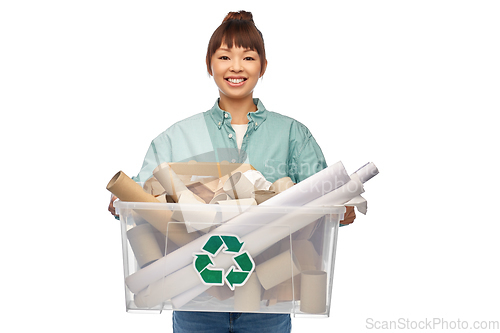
{"points": [[225, 115], [233, 161], [230, 135]]}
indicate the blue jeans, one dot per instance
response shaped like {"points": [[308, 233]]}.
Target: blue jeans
{"points": [[220, 322]]}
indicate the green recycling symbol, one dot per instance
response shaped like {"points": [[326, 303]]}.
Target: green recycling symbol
{"points": [[237, 275]]}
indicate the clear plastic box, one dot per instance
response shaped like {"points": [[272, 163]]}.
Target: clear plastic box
{"points": [[240, 258]]}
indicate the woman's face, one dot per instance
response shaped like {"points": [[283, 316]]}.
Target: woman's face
{"points": [[236, 71]]}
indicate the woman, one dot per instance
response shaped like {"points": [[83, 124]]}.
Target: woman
{"points": [[239, 129]]}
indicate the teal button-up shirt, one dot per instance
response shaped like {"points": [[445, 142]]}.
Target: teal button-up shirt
{"points": [[274, 144]]}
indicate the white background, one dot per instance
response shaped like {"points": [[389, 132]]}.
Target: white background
{"points": [[411, 85]]}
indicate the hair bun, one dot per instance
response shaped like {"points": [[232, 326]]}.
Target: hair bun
{"points": [[241, 16]]}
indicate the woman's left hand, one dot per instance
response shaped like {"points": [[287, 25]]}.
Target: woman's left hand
{"points": [[349, 215]]}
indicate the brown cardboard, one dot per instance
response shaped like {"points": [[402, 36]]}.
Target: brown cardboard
{"points": [[209, 168], [128, 190], [313, 289]]}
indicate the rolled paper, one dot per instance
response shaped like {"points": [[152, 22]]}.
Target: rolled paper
{"points": [[238, 186], [366, 172], [182, 299], [241, 204], [262, 195], [169, 180], [126, 189], [277, 270], [313, 292], [257, 241], [247, 297], [281, 185], [310, 189], [143, 242]]}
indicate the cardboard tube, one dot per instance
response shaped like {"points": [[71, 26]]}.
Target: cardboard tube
{"points": [[195, 220], [238, 186], [178, 234], [126, 189], [142, 239], [247, 297], [306, 254], [281, 185], [220, 197], [277, 270], [169, 180], [262, 195], [313, 292]]}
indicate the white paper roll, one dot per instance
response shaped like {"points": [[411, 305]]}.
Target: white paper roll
{"points": [[240, 206], [306, 191], [313, 291]]}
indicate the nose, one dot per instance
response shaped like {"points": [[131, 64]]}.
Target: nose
{"points": [[236, 66]]}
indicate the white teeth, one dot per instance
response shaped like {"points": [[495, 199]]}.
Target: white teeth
{"points": [[236, 80]]}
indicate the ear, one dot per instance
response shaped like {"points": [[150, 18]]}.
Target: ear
{"points": [[263, 70]]}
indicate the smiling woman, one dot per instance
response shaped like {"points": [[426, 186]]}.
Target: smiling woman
{"points": [[238, 128]]}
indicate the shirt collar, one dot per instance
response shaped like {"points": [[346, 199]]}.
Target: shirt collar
{"points": [[258, 117]]}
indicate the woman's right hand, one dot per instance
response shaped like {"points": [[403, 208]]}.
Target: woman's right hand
{"points": [[110, 207]]}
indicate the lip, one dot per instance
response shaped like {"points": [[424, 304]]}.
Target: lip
{"points": [[235, 84]]}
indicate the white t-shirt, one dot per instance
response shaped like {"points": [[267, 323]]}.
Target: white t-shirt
{"points": [[240, 131]]}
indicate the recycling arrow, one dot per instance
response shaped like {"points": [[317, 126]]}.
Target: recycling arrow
{"points": [[236, 278], [213, 245], [202, 261], [232, 243], [244, 262], [212, 276], [237, 274]]}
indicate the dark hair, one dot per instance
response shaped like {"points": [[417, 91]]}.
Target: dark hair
{"points": [[239, 30]]}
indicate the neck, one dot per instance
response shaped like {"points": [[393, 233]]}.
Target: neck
{"points": [[238, 108]]}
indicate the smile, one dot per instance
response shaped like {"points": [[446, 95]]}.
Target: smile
{"points": [[236, 81]]}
